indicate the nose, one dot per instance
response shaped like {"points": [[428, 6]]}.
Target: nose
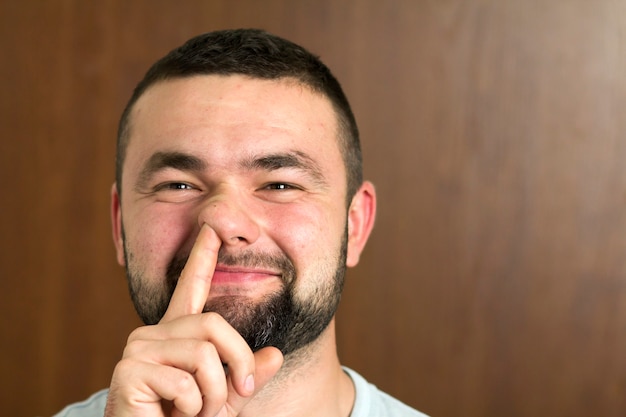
{"points": [[231, 219]]}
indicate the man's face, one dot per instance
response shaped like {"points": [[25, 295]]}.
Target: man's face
{"points": [[259, 162]]}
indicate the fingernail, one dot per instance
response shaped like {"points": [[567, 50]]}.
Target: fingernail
{"points": [[249, 384]]}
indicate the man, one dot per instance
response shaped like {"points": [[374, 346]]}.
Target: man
{"points": [[238, 204]]}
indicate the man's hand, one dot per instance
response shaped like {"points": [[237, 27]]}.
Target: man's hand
{"points": [[178, 366]]}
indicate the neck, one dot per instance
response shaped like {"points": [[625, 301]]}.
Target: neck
{"points": [[310, 383]]}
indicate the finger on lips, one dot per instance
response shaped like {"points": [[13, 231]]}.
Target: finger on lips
{"points": [[187, 304]]}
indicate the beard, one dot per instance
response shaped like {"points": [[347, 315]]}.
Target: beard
{"points": [[284, 319]]}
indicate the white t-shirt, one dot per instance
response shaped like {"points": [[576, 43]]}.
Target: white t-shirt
{"points": [[370, 402]]}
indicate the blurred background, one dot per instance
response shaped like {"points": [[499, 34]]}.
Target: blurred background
{"points": [[495, 280]]}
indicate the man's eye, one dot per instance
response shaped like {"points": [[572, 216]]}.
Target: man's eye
{"points": [[175, 192], [174, 186], [279, 186]]}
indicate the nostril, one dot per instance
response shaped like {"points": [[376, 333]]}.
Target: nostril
{"points": [[237, 239]]}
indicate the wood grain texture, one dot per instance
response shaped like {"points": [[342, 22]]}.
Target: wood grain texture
{"points": [[495, 280]]}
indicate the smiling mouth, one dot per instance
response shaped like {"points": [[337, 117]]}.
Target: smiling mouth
{"points": [[225, 275]]}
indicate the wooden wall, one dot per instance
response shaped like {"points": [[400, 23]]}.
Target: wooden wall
{"points": [[495, 131]]}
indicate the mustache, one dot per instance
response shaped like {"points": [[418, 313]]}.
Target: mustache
{"points": [[246, 259]]}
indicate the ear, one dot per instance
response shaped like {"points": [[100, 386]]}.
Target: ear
{"points": [[361, 215], [116, 225]]}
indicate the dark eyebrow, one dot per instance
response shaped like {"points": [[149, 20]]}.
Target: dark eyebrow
{"points": [[176, 160], [297, 160]]}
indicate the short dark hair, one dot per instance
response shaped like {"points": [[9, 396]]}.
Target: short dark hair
{"points": [[257, 54]]}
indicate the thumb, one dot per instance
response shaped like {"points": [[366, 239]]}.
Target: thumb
{"points": [[267, 364]]}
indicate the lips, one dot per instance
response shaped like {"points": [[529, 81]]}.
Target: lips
{"points": [[241, 275]]}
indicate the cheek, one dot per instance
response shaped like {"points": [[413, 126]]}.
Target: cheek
{"points": [[308, 235], [156, 235]]}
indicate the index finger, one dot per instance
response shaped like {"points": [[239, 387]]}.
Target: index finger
{"points": [[194, 284]]}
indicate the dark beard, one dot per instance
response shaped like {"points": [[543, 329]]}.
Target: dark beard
{"points": [[279, 320]]}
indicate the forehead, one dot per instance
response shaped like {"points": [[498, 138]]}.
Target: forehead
{"points": [[233, 101], [226, 113]]}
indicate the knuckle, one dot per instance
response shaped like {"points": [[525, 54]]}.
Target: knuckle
{"points": [[124, 368], [137, 334], [210, 319], [185, 382], [205, 350], [134, 348]]}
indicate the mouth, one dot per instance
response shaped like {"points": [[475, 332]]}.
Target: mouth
{"points": [[229, 275]]}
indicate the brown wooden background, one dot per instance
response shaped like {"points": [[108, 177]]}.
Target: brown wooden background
{"points": [[495, 281]]}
